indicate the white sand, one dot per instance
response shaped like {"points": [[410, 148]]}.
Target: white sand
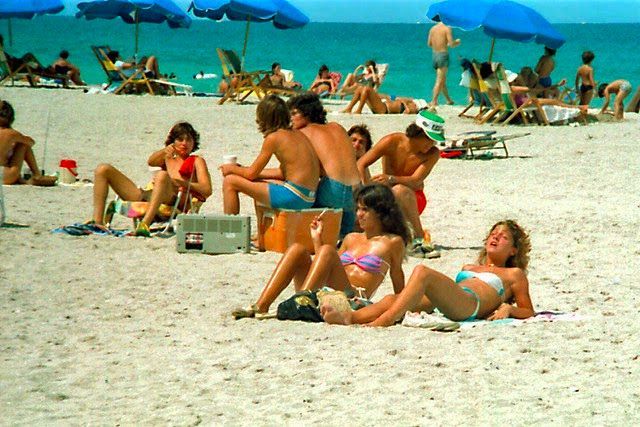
{"points": [[101, 330]]}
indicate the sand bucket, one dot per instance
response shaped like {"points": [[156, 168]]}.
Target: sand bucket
{"points": [[68, 172]]}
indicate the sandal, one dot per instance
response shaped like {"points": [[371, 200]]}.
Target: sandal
{"points": [[243, 313]]}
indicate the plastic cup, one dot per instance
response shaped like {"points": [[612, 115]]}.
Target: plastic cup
{"points": [[230, 159]]}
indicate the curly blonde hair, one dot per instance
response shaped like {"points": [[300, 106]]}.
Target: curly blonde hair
{"points": [[520, 241]]}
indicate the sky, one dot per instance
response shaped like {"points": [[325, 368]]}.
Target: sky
{"points": [[412, 11]]}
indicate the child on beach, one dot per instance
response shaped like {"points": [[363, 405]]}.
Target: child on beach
{"points": [[293, 184], [545, 66], [179, 169], [495, 287], [621, 88], [16, 149], [361, 263], [585, 82]]}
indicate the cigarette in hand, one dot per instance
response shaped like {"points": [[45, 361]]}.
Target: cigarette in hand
{"points": [[321, 213]]}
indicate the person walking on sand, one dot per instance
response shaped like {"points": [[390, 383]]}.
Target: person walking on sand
{"points": [[16, 149], [407, 160], [621, 88], [440, 40], [339, 173]]}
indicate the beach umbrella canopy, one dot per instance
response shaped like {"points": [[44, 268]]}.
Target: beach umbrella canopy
{"points": [[135, 12], [499, 19], [27, 9], [282, 13]]}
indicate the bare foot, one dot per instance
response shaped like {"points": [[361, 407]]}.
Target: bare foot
{"points": [[381, 322], [43, 180], [333, 316], [450, 102]]}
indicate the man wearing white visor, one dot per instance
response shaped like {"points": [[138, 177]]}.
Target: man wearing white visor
{"points": [[407, 160]]}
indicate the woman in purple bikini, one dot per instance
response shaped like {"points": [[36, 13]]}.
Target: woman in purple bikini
{"points": [[358, 267]]}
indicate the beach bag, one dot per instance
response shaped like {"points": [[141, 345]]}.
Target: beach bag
{"points": [[302, 305]]}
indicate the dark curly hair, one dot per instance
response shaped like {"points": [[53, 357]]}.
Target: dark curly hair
{"points": [[183, 129], [272, 114], [380, 198], [520, 241], [601, 88], [364, 131], [414, 131], [309, 105], [7, 114]]}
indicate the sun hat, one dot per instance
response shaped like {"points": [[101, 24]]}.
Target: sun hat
{"points": [[432, 124], [421, 103]]}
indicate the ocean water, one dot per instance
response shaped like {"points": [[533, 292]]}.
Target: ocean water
{"points": [[341, 46]]}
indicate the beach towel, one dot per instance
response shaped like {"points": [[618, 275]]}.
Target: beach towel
{"points": [[438, 322], [79, 229]]}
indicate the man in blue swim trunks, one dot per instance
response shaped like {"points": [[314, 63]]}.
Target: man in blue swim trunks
{"points": [[293, 184], [544, 68], [440, 40], [334, 149]]}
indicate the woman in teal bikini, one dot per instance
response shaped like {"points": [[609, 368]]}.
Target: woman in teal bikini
{"points": [[494, 288], [358, 267]]}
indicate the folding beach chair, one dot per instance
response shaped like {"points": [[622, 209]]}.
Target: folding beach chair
{"points": [[138, 80], [479, 97], [467, 144], [31, 71]]}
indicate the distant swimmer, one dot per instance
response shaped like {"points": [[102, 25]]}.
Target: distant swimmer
{"points": [[202, 75]]}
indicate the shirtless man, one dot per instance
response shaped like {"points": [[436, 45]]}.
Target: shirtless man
{"points": [[63, 66], [544, 68], [621, 88], [335, 151], [16, 149], [293, 184], [407, 160], [440, 40], [585, 82]]}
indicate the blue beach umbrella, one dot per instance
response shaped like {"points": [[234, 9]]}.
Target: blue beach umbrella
{"points": [[27, 9], [134, 12], [499, 19], [282, 13]]}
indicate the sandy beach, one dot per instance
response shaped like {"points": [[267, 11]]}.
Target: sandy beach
{"points": [[126, 331]]}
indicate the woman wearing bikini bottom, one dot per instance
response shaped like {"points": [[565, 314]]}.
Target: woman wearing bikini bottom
{"points": [[496, 287], [358, 267]]}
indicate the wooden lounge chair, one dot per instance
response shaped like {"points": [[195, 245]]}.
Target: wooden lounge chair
{"points": [[479, 95], [138, 81], [31, 71], [469, 143]]}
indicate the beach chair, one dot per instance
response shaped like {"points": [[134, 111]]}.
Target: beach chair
{"points": [[31, 71], [240, 83], [468, 144], [137, 81], [479, 95]]}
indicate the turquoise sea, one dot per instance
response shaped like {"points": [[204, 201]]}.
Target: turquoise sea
{"points": [[341, 46]]}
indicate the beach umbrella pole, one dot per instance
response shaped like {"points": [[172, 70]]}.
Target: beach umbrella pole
{"points": [[135, 55], [246, 39], [493, 44]]}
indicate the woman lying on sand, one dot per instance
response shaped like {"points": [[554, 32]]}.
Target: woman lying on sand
{"points": [[16, 149], [179, 170], [486, 290], [379, 103], [360, 264]]}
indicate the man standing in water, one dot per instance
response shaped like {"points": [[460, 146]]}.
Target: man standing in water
{"points": [[440, 40]]}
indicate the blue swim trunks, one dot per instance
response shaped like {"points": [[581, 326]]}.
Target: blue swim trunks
{"points": [[334, 194], [290, 196], [545, 81]]}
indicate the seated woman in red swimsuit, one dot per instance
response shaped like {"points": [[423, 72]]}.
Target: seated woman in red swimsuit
{"points": [[360, 264], [179, 170]]}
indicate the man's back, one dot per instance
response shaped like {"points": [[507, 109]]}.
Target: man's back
{"points": [[296, 155], [440, 37], [335, 151]]}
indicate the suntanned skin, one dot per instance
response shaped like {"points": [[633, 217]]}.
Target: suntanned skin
{"points": [[620, 95], [16, 149], [406, 163], [440, 39], [298, 164], [332, 146], [584, 76]]}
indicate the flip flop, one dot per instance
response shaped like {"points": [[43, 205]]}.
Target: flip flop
{"points": [[246, 312]]}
